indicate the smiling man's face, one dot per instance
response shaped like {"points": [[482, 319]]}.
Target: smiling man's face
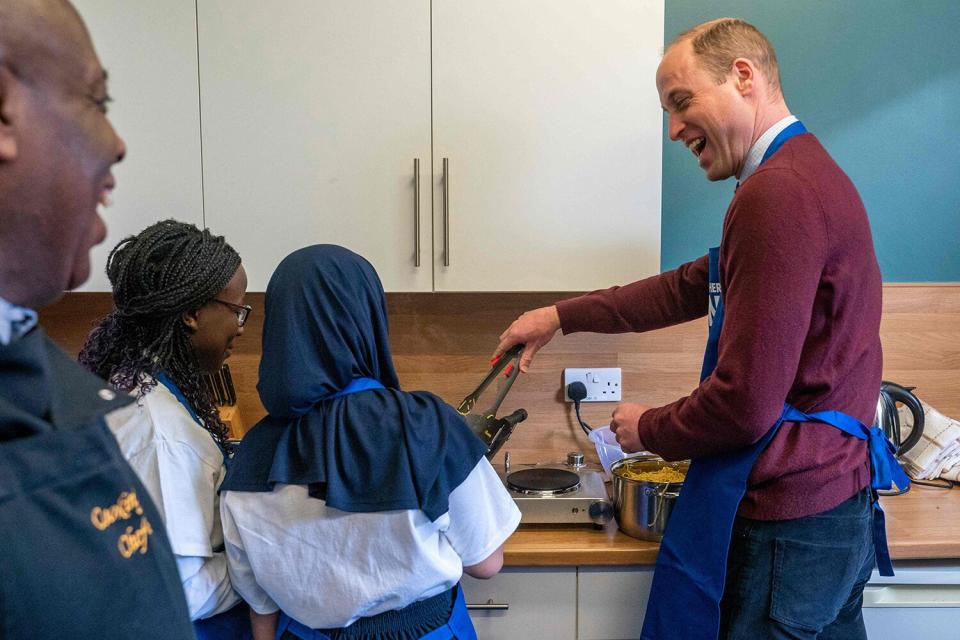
{"points": [[57, 153], [715, 121]]}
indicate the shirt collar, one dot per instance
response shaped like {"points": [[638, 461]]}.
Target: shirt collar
{"points": [[755, 155], [15, 322]]}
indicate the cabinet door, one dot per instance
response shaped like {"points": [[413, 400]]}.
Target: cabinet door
{"points": [[312, 115], [548, 114], [149, 48], [540, 604], [611, 602]]}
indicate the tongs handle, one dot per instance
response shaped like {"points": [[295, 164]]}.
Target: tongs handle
{"points": [[508, 357], [504, 427]]}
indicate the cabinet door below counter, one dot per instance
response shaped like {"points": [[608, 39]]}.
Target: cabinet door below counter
{"points": [[611, 602], [540, 603]]}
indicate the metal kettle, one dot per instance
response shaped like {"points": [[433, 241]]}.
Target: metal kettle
{"points": [[888, 418]]}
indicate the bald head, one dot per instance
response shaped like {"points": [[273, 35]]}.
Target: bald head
{"points": [[719, 42], [38, 36]]}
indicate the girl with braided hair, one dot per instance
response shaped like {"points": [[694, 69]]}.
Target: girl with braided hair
{"points": [[178, 306]]}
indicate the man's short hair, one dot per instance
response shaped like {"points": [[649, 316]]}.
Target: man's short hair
{"points": [[719, 42]]}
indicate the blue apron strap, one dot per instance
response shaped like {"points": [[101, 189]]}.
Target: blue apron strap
{"points": [[714, 315], [794, 129], [163, 379], [458, 626], [286, 623], [884, 470], [356, 385]]}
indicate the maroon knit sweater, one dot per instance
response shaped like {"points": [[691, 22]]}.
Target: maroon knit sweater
{"points": [[802, 295]]}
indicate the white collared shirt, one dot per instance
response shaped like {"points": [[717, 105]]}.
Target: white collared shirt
{"points": [[181, 467], [755, 155], [15, 322], [327, 568]]}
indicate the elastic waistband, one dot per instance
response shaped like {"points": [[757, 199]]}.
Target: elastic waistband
{"points": [[411, 622]]}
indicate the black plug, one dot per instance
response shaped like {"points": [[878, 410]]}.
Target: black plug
{"points": [[577, 391]]}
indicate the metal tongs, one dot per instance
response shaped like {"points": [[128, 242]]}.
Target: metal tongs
{"points": [[492, 430]]}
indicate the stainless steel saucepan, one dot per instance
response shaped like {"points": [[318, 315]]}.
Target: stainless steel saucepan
{"points": [[641, 507]]}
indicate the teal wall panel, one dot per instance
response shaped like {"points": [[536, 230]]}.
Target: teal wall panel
{"points": [[878, 82]]}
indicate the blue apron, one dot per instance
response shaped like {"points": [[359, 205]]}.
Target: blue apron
{"points": [[233, 624], [458, 626], [689, 578]]}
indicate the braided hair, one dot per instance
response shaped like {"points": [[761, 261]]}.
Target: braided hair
{"points": [[167, 269]]}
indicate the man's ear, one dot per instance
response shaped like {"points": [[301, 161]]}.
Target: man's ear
{"points": [[8, 138], [191, 319], [744, 75]]}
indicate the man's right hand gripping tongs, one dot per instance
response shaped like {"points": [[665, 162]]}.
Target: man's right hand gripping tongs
{"points": [[492, 430]]}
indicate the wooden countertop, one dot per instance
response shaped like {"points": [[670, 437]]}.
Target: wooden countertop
{"points": [[921, 524]]}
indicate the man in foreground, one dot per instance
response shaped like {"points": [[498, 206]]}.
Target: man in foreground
{"points": [[84, 552]]}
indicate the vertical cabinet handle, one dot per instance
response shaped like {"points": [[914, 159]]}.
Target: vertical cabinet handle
{"points": [[416, 212], [446, 212]]}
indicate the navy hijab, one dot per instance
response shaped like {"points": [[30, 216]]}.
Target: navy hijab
{"points": [[380, 449]]}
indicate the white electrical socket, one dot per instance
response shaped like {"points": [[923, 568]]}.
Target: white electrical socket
{"points": [[603, 385]]}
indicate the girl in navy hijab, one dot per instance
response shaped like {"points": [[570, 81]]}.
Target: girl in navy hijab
{"points": [[354, 507]]}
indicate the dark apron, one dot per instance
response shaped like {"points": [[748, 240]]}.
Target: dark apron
{"points": [[458, 625], [84, 552], [689, 578]]}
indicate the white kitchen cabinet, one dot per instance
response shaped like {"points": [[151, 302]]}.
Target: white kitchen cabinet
{"points": [[611, 601], [921, 601], [548, 115], [313, 114], [528, 603], [286, 125], [314, 111], [149, 49]]}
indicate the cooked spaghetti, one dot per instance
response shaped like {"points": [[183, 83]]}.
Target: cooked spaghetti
{"points": [[635, 471]]}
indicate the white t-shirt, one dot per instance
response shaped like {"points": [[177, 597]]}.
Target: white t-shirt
{"points": [[325, 568], [181, 467]]}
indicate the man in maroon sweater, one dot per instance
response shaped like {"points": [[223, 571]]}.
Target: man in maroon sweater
{"points": [[801, 295]]}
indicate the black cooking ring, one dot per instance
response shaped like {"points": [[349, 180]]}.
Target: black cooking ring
{"points": [[543, 480]]}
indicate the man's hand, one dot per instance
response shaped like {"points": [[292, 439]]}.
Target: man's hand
{"points": [[534, 329], [626, 425]]}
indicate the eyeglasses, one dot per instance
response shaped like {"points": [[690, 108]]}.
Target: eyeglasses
{"points": [[242, 310]]}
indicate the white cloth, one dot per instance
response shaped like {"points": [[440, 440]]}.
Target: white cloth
{"points": [[181, 467], [326, 568], [15, 322], [755, 155], [937, 454]]}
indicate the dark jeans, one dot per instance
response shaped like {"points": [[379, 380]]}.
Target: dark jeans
{"points": [[802, 578]]}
